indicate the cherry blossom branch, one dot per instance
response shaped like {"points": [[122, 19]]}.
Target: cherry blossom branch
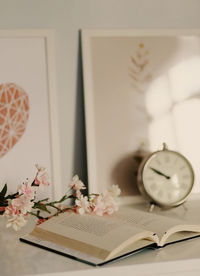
{"points": [[17, 207]]}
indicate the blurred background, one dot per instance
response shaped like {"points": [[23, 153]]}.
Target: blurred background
{"points": [[67, 18]]}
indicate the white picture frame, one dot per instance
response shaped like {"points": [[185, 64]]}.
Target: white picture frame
{"points": [[28, 62], [107, 69]]}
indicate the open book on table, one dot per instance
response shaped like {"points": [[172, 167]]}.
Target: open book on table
{"points": [[98, 240]]}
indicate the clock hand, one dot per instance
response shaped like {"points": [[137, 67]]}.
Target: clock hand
{"points": [[160, 173]]}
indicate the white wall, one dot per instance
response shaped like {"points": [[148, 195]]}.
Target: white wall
{"points": [[67, 17]]}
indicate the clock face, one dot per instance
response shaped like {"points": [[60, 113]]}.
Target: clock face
{"points": [[167, 178]]}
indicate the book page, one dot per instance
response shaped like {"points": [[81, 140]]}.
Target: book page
{"points": [[149, 221], [178, 236], [95, 232], [180, 232]]}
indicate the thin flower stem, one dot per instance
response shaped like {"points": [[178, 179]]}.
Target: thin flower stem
{"points": [[42, 200], [11, 196], [36, 215], [56, 214], [62, 211], [33, 183], [65, 197], [53, 206]]}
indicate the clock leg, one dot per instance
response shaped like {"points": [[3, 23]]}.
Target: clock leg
{"points": [[184, 207], [151, 207]]}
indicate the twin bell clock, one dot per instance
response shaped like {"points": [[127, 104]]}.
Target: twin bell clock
{"points": [[165, 178]]}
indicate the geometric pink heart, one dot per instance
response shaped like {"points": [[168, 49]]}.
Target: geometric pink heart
{"points": [[14, 114]]}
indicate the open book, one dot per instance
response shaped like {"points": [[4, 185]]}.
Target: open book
{"points": [[98, 240]]}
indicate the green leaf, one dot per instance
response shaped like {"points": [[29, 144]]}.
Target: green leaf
{"points": [[3, 192], [46, 199], [42, 207]]}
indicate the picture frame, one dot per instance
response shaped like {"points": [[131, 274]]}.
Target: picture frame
{"points": [[133, 79], [27, 81]]}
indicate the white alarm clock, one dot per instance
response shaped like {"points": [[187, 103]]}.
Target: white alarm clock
{"points": [[165, 178]]}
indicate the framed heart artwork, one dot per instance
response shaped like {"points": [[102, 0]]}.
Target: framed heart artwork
{"points": [[28, 118], [142, 88]]}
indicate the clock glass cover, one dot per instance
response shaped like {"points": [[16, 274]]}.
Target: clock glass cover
{"points": [[167, 178]]}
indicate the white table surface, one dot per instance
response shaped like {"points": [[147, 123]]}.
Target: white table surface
{"points": [[17, 258]]}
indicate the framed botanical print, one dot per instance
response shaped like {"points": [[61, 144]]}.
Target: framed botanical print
{"points": [[142, 88]]}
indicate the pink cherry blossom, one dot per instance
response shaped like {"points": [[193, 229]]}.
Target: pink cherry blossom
{"points": [[17, 221], [25, 204], [42, 179], [76, 184], [40, 168], [11, 210], [77, 193], [110, 203], [82, 205], [27, 190], [110, 199], [114, 190], [17, 211], [19, 205], [98, 205]]}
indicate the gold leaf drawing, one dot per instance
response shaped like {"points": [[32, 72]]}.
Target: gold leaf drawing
{"points": [[138, 71]]}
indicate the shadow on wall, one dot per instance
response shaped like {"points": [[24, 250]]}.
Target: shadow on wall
{"points": [[125, 172], [80, 155]]}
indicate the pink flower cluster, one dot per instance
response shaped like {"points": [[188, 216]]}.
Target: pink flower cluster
{"points": [[99, 204], [18, 208], [42, 177], [17, 211], [20, 205]]}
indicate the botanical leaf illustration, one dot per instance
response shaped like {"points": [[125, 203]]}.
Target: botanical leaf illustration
{"points": [[138, 71]]}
